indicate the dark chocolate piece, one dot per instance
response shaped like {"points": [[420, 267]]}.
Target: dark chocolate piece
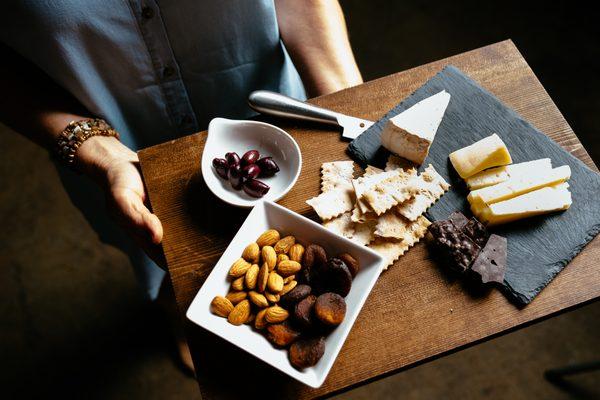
{"points": [[458, 219], [456, 246], [476, 231], [490, 265]]}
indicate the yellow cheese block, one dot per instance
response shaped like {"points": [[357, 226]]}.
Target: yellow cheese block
{"points": [[542, 201], [517, 186], [493, 176], [486, 153]]}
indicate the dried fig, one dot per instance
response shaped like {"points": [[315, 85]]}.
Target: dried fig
{"points": [[281, 335], [303, 312], [330, 309], [334, 277], [307, 352], [294, 295], [351, 263], [313, 258]]}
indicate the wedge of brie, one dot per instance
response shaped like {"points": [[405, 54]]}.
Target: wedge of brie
{"points": [[410, 133]]}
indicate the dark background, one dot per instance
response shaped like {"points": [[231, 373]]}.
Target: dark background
{"points": [[73, 323]]}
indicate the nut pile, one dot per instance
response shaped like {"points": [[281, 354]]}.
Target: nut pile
{"points": [[291, 293]]}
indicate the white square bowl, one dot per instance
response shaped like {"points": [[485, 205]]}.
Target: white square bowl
{"points": [[268, 215]]}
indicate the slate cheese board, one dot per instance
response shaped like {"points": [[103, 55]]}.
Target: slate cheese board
{"points": [[539, 247]]}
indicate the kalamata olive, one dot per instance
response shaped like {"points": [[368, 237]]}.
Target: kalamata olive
{"points": [[250, 157], [232, 158], [250, 171], [221, 166], [255, 188], [235, 176], [268, 167]]}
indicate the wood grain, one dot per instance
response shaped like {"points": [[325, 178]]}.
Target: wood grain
{"points": [[414, 313]]}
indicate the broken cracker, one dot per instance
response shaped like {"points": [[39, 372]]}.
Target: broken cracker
{"points": [[341, 225], [365, 182], [364, 233], [429, 186], [392, 225], [336, 174], [389, 192], [332, 203], [392, 249]]}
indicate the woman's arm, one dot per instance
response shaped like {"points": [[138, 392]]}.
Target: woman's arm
{"points": [[33, 104], [314, 32]]}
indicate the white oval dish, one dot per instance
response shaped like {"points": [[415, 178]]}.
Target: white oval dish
{"points": [[225, 135]]}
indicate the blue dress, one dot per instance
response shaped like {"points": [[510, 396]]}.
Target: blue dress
{"points": [[155, 70]]}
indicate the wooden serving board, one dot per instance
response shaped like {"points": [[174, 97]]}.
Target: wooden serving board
{"points": [[414, 313]]}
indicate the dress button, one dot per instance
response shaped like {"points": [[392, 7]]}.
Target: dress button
{"points": [[147, 12], [168, 71]]}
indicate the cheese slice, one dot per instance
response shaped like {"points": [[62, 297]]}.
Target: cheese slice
{"points": [[486, 153], [517, 186], [493, 176], [410, 133], [542, 201]]}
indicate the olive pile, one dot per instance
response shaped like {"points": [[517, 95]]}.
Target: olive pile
{"points": [[242, 172]]}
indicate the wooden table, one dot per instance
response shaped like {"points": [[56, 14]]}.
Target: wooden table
{"points": [[413, 314]]}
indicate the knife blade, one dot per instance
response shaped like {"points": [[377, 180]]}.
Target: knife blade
{"points": [[272, 103]]}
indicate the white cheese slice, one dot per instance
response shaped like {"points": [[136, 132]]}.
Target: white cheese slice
{"points": [[493, 176], [542, 201], [483, 154], [518, 185], [410, 133]]}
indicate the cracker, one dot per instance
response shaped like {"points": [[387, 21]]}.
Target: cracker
{"points": [[392, 249], [371, 170], [341, 225], [394, 162], [390, 192], [364, 233], [392, 225], [429, 187], [332, 203], [360, 217], [336, 174], [365, 182]]}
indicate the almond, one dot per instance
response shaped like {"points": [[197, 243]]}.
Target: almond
{"points": [[275, 282], [296, 252], [260, 322], [272, 298], [240, 313], [239, 268], [288, 267], [258, 299], [274, 314], [238, 284], [236, 297], [287, 287], [269, 256], [250, 319], [252, 276], [251, 253], [221, 306], [282, 257], [289, 279], [268, 238], [284, 245], [263, 276]]}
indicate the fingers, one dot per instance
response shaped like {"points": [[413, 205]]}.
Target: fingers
{"points": [[131, 212]]}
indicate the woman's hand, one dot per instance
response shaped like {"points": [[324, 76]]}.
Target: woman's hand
{"points": [[116, 168]]}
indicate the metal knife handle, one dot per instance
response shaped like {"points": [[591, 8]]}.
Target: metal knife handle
{"points": [[272, 103]]}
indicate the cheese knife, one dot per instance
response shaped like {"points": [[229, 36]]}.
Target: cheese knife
{"points": [[267, 102]]}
